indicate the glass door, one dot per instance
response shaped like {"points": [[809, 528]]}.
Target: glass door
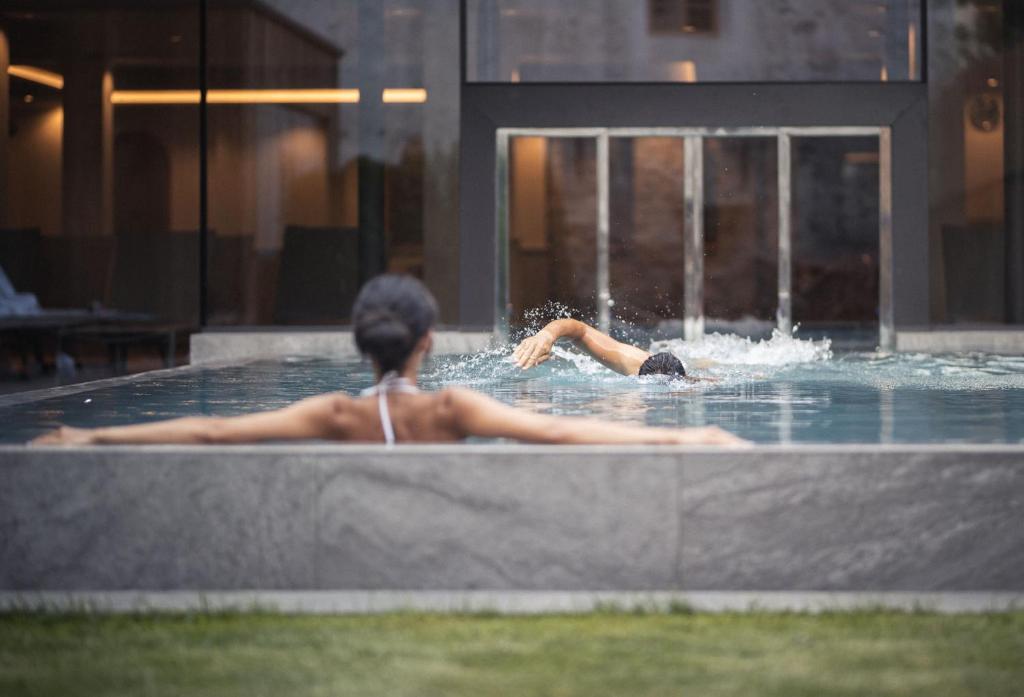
{"points": [[674, 232]]}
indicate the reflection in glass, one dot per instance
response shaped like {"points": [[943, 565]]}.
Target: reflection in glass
{"points": [[835, 235], [976, 125], [646, 244], [98, 204], [741, 234], [343, 168], [552, 224], [693, 40]]}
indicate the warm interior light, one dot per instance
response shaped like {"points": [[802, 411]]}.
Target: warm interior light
{"points": [[415, 95], [154, 97], [324, 96], [683, 71], [912, 52], [312, 96], [992, 82], [43, 77]]}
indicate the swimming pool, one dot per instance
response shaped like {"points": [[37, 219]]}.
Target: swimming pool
{"points": [[782, 390]]}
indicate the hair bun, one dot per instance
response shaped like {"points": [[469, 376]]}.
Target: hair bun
{"points": [[382, 332], [390, 316]]}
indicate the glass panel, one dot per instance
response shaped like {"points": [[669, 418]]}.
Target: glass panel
{"points": [[552, 228], [693, 40], [338, 163], [976, 127], [646, 241], [98, 203], [741, 235], [835, 237]]}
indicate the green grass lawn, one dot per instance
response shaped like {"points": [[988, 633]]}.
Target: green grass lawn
{"points": [[622, 654]]}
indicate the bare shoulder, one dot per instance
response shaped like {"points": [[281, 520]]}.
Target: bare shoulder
{"points": [[461, 403], [328, 403], [334, 412], [455, 398]]}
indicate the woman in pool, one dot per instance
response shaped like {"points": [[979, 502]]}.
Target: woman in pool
{"points": [[612, 354], [393, 318]]}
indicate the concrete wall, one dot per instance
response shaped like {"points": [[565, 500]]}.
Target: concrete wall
{"points": [[503, 518], [235, 347]]}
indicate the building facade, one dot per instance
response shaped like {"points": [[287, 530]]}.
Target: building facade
{"points": [[845, 167]]}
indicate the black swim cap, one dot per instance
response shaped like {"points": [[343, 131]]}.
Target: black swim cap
{"points": [[663, 364]]}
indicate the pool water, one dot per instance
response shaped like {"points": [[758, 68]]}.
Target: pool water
{"points": [[781, 390]]}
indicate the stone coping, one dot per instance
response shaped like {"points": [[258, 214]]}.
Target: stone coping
{"points": [[505, 448], [237, 346], [503, 602], [1005, 341]]}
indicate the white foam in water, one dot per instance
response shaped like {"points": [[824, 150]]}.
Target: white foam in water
{"points": [[730, 349]]}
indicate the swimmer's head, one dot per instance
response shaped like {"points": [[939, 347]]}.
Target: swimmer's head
{"points": [[392, 315], [663, 364]]}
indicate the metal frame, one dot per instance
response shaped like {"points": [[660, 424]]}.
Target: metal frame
{"points": [[693, 188]]}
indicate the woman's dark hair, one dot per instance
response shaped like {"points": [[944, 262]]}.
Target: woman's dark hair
{"points": [[391, 314], [663, 364]]}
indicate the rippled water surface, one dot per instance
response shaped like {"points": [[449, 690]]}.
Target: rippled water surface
{"points": [[782, 390]]}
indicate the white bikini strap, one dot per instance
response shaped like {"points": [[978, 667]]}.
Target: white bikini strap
{"points": [[385, 417], [389, 382]]}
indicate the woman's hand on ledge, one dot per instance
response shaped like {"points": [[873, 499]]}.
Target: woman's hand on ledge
{"points": [[66, 435], [707, 435]]}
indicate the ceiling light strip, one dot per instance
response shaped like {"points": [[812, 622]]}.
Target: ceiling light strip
{"points": [[43, 77]]}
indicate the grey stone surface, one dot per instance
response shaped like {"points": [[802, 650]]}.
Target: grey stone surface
{"points": [[926, 521], [1005, 341], [160, 519], [218, 347], [512, 519], [504, 521]]}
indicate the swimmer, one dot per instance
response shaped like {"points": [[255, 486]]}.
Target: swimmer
{"points": [[612, 354], [393, 317]]}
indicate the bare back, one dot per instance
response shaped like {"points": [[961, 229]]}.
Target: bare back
{"points": [[426, 417]]}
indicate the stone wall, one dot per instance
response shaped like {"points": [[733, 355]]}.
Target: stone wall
{"points": [[504, 518]]}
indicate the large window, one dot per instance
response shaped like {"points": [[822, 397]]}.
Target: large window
{"points": [[331, 149], [98, 203], [333, 132], [693, 40], [976, 180], [331, 154]]}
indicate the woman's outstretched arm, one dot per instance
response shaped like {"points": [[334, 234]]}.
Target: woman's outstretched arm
{"points": [[476, 414], [314, 418], [615, 355]]}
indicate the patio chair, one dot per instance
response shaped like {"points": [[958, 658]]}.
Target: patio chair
{"points": [[318, 276]]}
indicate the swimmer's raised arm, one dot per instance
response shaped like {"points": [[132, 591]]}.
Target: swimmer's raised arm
{"points": [[321, 417], [615, 355]]}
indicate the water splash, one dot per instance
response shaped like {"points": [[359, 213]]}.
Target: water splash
{"points": [[729, 349]]}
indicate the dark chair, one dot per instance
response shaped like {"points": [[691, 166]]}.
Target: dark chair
{"points": [[157, 273], [227, 273], [21, 258], [318, 276], [75, 270]]}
